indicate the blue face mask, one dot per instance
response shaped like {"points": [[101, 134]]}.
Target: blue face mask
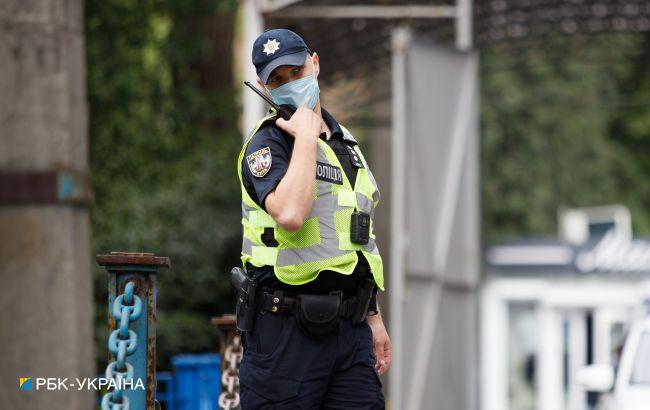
{"points": [[297, 92]]}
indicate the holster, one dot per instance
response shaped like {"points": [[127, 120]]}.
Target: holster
{"points": [[246, 289], [363, 301], [317, 316]]}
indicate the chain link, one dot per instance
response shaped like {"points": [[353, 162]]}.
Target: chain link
{"points": [[229, 397], [119, 370]]}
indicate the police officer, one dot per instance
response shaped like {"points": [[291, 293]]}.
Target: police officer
{"points": [[308, 200]]}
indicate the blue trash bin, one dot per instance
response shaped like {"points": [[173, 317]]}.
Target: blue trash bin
{"points": [[197, 378]]}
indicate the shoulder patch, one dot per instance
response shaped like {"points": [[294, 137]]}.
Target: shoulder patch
{"points": [[259, 162]]}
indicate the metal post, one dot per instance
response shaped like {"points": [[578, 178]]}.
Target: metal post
{"points": [[227, 333], [400, 45], [141, 270], [253, 26], [231, 351], [463, 24]]}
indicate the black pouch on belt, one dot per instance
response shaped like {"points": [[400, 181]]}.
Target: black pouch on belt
{"points": [[317, 316]]}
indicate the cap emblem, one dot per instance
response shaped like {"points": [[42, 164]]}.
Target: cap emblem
{"points": [[271, 46]]}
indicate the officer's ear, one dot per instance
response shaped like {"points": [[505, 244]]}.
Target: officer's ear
{"points": [[315, 59], [263, 86]]}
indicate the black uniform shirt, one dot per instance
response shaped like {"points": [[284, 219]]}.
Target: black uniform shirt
{"points": [[280, 145]]}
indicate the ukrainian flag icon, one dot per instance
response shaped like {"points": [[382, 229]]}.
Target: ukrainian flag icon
{"points": [[26, 383]]}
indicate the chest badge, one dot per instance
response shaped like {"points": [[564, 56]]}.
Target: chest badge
{"points": [[259, 162], [329, 173]]}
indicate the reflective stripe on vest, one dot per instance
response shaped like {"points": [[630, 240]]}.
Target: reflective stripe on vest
{"points": [[323, 241]]}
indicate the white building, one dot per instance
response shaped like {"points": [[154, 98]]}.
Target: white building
{"points": [[550, 307]]}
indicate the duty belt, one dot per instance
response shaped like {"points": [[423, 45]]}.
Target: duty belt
{"points": [[281, 302]]}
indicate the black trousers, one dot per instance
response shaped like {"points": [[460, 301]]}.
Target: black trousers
{"points": [[283, 369]]}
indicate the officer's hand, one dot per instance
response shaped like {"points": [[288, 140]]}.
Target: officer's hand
{"points": [[381, 341], [304, 123]]}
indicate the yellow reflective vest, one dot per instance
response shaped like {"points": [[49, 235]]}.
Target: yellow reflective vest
{"points": [[323, 241]]}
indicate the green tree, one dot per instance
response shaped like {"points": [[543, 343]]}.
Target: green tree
{"points": [[630, 130], [163, 138], [547, 106]]}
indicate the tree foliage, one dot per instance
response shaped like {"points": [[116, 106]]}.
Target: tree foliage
{"points": [[564, 123], [163, 138]]}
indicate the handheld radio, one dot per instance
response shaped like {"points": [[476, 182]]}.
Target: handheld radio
{"points": [[284, 111]]}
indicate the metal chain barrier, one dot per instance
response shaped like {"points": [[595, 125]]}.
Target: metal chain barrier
{"points": [[229, 397], [122, 342]]}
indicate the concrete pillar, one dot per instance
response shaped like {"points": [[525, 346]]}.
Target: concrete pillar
{"points": [[46, 308], [549, 363], [577, 358]]}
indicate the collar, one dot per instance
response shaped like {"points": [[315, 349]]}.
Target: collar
{"points": [[337, 131]]}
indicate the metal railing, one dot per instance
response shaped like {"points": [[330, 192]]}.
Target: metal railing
{"points": [[131, 297], [231, 351], [122, 342], [132, 341], [165, 393]]}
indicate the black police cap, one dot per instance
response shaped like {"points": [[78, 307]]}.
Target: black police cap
{"points": [[277, 47]]}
